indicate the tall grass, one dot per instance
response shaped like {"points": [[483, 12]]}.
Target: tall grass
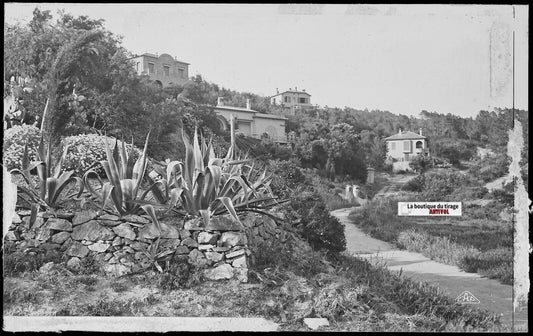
{"points": [[487, 251]]}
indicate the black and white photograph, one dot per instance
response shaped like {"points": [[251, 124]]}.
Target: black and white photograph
{"points": [[245, 167]]}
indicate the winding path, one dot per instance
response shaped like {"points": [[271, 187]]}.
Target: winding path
{"points": [[452, 281]]}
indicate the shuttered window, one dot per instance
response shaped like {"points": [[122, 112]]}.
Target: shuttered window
{"points": [[407, 146]]}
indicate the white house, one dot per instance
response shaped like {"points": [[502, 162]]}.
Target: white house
{"points": [[252, 123], [291, 98], [404, 146]]}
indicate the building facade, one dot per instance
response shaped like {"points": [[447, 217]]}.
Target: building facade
{"points": [[164, 69], [252, 123], [292, 99], [405, 146]]}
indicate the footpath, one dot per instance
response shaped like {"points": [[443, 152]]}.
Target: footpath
{"points": [[451, 281]]}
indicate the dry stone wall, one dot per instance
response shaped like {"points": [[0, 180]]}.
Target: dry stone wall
{"points": [[127, 244]]}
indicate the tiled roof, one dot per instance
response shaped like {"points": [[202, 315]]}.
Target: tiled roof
{"points": [[405, 135], [291, 91]]}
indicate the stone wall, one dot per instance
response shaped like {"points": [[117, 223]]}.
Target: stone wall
{"points": [[124, 245]]}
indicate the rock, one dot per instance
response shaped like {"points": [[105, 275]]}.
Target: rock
{"points": [[117, 241], [28, 235], [108, 256], [74, 264], [223, 271], [60, 238], [185, 234], [47, 268], [24, 212], [189, 242], [66, 244], [59, 224], [194, 224], [109, 217], [239, 262], [116, 269], [182, 250], [128, 249], [63, 214], [124, 230], [207, 238], [205, 247], [50, 246], [214, 256], [16, 219], [169, 231], [99, 247], [231, 239], [135, 219], [77, 249], [87, 242], [315, 323], [241, 274], [221, 248], [235, 253], [149, 231], [224, 223], [197, 258], [92, 230], [138, 246], [44, 233], [83, 217]]}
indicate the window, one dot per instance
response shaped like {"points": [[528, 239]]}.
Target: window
{"points": [[137, 66], [166, 70], [151, 68], [181, 73], [287, 99], [407, 146], [419, 144], [302, 100], [393, 145]]}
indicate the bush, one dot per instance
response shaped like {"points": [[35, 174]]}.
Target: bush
{"points": [[287, 178], [437, 187], [415, 184], [87, 150], [15, 139], [320, 229]]}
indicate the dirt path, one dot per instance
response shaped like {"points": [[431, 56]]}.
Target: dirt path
{"points": [[452, 281]]}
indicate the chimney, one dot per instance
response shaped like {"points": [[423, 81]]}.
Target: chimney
{"points": [[248, 104], [420, 131], [295, 88], [400, 132], [277, 91], [220, 101]]}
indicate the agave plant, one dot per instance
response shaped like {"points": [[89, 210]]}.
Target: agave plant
{"points": [[125, 175], [51, 180], [204, 185]]}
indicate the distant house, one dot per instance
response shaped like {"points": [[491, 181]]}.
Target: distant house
{"points": [[252, 123], [404, 146], [165, 70], [291, 98]]}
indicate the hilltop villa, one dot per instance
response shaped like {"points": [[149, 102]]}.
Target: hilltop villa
{"points": [[291, 98], [404, 146], [252, 123], [165, 70]]}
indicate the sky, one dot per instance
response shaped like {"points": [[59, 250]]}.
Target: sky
{"points": [[402, 58]]}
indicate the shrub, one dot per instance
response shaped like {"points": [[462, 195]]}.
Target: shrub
{"points": [[320, 229], [87, 150], [15, 139], [437, 187], [287, 177], [415, 184]]}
